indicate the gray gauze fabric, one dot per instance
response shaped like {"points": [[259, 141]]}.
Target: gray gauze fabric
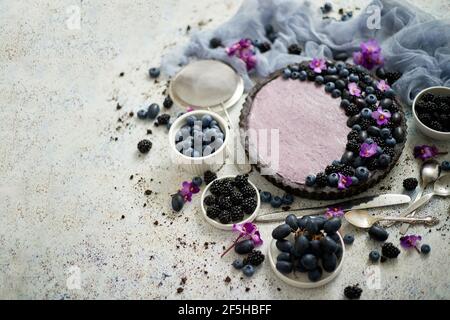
{"points": [[413, 42]]}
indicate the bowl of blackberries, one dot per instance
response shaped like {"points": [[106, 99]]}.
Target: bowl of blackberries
{"points": [[431, 110], [198, 140], [307, 252], [230, 200]]}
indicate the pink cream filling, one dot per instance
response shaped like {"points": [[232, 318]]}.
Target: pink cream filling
{"points": [[312, 127]]}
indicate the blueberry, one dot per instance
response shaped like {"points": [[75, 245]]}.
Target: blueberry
{"points": [[197, 181], [349, 239], [344, 17], [237, 264], [336, 93], [333, 179], [371, 99], [336, 163], [353, 78], [327, 7], [374, 256], [266, 196], [248, 270], [355, 180], [329, 87], [370, 90], [287, 73], [357, 127], [276, 202], [191, 120], [169, 124], [369, 141], [319, 80], [287, 199], [358, 162], [389, 93], [340, 65], [142, 114], [386, 103], [366, 113], [384, 160], [310, 180], [362, 173], [295, 75], [445, 165], [391, 142], [302, 75], [343, 73], [425, 249], [340, 84], [206, 120], [331, 70], [154, 72], [367, 79], [153, 110], [345, 103], [385, 133]]}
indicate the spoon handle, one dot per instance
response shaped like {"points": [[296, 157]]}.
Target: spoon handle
{"points": [[430, 221], [419, 203], [411, 205]]}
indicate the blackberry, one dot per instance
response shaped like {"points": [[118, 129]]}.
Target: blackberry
{"points": [[226, 187], [249, 205], [427, 97], [236, 197], [310, 75], [255, 258], [347, 171], [389, 151], [379, 141], [389, 250], [393, 107], [237, 214], [224, 217], [426, 118], [365, 123], [144, 146], [351, 110], [391, 77], [209, 200], [332, 169], [163, 118], [225, 202], [353, 135], [248, 191], [353, 292], [241, 180], [372, 164], [372, 107], [216, 187], [444, 107], [321, 179], [436, 125], [209, 177], [213, 211], [379, 94], [410, 184], [353, 146], [294, 49]]}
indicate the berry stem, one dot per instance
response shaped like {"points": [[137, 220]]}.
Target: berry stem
{"points": [[232, 246]]}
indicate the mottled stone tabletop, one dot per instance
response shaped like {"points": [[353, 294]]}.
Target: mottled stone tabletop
{"points": [[76, 221]]}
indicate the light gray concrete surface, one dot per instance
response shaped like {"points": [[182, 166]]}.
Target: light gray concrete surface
{"points": [[68, 206]]}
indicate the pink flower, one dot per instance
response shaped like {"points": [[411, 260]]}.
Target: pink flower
{"points": [[187, 190], [334, 212], [354, 89], [189, 109], [381, 116], [369, 55], [344, 181], [383, 86], [410, 241], [368, 150], [244, 50], [250, 230], [425, 152], [317, 65]]}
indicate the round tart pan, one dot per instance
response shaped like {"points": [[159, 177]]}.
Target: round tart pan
{"points": [[318, 193]]}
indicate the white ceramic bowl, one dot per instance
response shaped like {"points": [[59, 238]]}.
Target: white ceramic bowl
{"points": [[438, 135], [298, 279], [199, 165], [222, 226]]}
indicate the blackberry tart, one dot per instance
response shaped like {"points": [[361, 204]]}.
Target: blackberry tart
{"points": [[340, 129]]}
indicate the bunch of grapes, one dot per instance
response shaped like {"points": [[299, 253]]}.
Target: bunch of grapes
{"points": [[315, 246]]}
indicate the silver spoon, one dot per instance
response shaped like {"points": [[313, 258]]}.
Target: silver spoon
{"points": [[362, 219], [429, 173]]}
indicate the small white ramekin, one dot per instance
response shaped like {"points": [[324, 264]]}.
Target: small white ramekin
{"points": [[199, 165], [222, 226], [438, 135]]}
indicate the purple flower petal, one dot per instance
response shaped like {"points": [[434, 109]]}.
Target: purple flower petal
{"points": [[368, 150], [334, 212], [410, 241], [317, 65], [425, 152], [344, 181], [354, 89], [382, 117]]}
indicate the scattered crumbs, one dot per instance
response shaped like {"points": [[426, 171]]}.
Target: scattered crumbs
{"points": [[180, 290], [118, 106], [144, 205], [131, 114], [188, 28], [149, 131], [247, 289], [148, 192], [206, 244], [278, 289], [183, 281], [156, 223], [205, 272], [131, 177], [227, 279], [341, 11], [121, 74], [286, 208], [122, 217]]}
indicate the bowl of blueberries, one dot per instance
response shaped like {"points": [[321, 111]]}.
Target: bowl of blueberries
{"points": [[198, 141], [307, 252], [431, 110]]}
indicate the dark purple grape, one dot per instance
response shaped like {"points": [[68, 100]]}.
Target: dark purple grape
{"points": [[284, 256], [328, 245], [378, 233], [315, 275], [281, 232], [244, 247], [284, 266], [332, 225], [177, 202], [284, 245], [301, 246], [309, 261], [291, 220], [329, 262]]}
